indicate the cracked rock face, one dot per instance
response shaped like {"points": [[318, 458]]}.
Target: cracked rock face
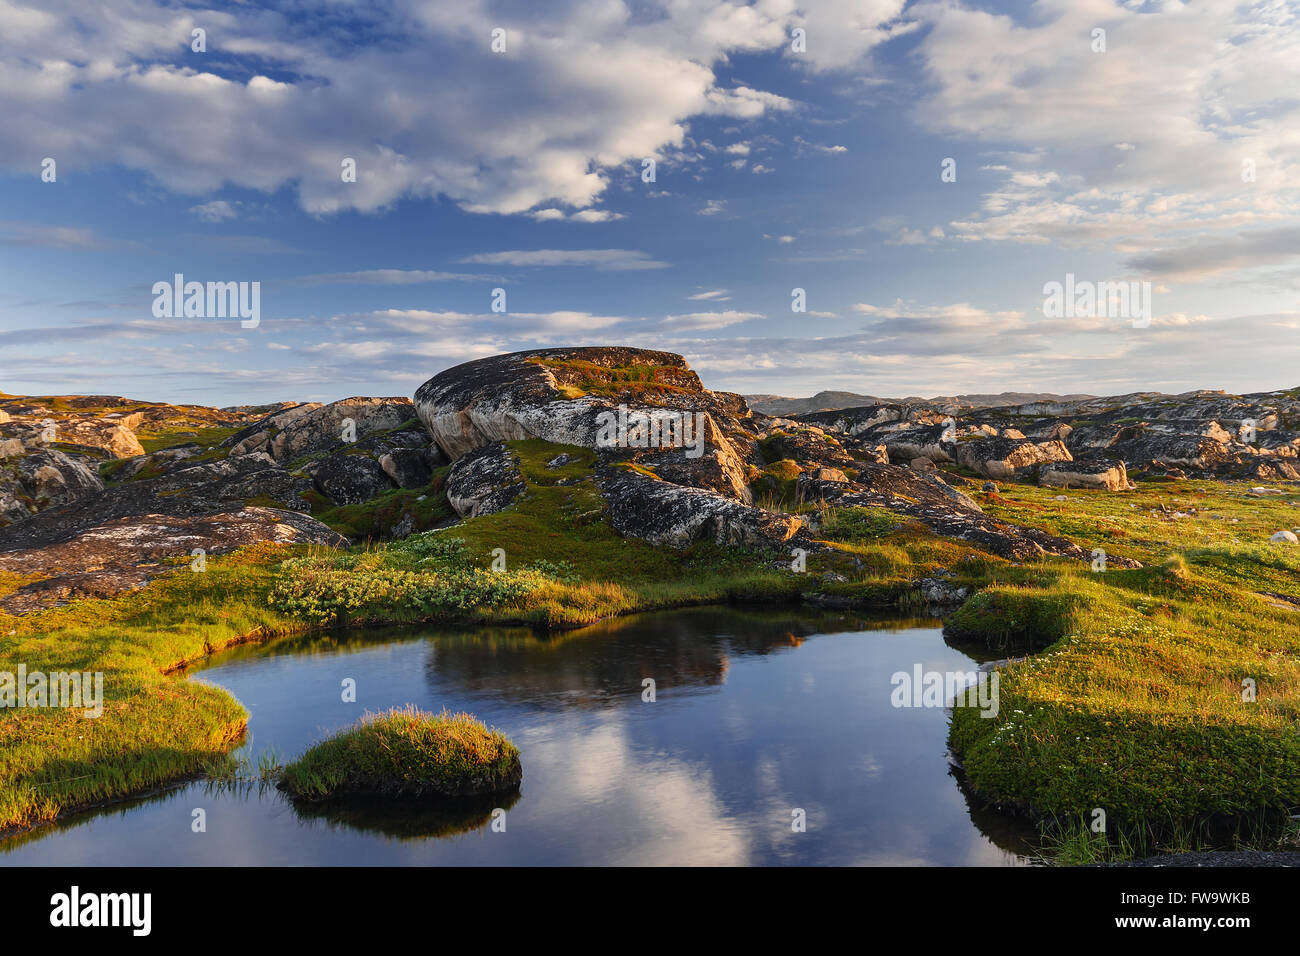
{"points": [[535, 394], [305, 429], [1106, 474], [675, 516], [123, 554], [41, 480], [199, 489], [484, 481]]}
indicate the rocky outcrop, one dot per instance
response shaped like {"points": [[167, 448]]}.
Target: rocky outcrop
{"points": [[484, 481], [1105, 474], [1197, 434], [1005, 457], [675, 516], [572, 396], [200, 489], [41, 480], [123, 554], [308, 429]]}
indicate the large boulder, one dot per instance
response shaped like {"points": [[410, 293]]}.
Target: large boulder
{"points": [[484, 481], [349, 479], [308, 429], [573, 396], [1006, 457], [675, 516], [1103, 474], [43, 479], [123, 554]]}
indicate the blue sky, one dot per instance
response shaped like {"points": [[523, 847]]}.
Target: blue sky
{"points": [[775, 169]]}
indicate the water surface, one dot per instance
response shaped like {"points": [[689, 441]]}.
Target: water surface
{"points": [[758, 712]]}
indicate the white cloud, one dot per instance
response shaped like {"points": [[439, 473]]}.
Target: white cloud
{"points": [[389, 277], [708, 320], [606, 260], [1136, 148], [584, 87], [219, 210]]}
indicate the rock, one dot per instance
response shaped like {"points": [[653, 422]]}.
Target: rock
{"points": [[484, 481], [921, 441], [349, 479], [310, 429], [1006, 457], [936, 589], [407, 467], [809, 485], [11, 447], [41, 480], [1098, 473], [1285, 536], [195, 490], [676, 516], [115, 438], [829, 474], [568, 395], [126, 553], [1012, 433], [990, 486]]}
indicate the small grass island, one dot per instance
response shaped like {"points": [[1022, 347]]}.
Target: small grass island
{"points": [[406, 752]]}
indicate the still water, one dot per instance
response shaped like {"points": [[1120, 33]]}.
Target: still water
{"points": [[758, 712]]}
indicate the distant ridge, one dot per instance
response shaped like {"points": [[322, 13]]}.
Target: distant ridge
{"points": [[830, 401]]}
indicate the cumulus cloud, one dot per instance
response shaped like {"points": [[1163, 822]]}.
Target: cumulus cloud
{"points": [[1136, 147], [219, 210], [581, 88], [608, 260]]}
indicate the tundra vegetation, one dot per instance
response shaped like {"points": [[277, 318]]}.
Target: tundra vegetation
{"points": [[1162, 687]]}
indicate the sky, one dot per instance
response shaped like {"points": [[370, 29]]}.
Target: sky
{"points": [[920, 170]]}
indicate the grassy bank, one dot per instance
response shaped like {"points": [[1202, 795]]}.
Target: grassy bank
{"points": [[1132, 702], [406, 753]]}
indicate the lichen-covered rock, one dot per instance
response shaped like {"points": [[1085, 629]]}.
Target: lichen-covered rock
{"points": [[198, 489], [932, 441], [484, 481], [1006, 457], [308, 429], [675, 516], [349, 479], [1103, 474], [570, 395], [408, 467], [123, 554], [43, 479]]}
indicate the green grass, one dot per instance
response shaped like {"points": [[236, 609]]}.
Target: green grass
{"points": [[419, 508], [1130, 700], [578, 377], [406, 753]]}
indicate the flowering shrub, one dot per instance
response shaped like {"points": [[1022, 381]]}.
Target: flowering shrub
{"points": [[329, 590]]}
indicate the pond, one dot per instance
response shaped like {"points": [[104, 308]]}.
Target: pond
{"points": [[772, 738]]}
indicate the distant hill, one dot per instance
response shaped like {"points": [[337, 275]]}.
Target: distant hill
{"points": [[829, 401]]}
